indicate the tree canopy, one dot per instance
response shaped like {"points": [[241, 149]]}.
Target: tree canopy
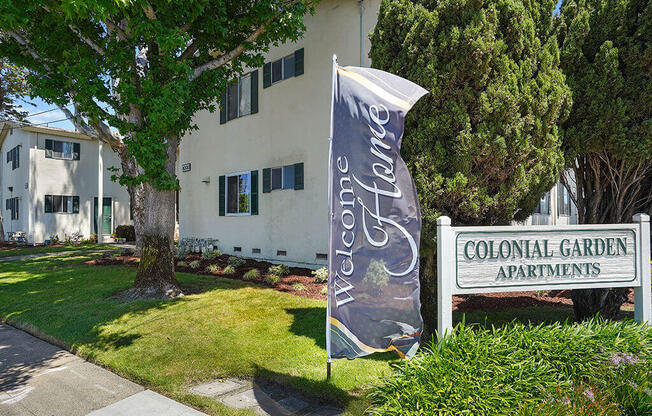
{"points": [[484, 145], [13, 85]]}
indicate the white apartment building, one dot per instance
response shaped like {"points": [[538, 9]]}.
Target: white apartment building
{"points": [[49, 184], [254, 176]]}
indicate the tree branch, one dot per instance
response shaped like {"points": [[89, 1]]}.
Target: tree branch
{"points": [[227, 57]]}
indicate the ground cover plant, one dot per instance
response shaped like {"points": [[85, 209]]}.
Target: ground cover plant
{"points": [[593, 368]]}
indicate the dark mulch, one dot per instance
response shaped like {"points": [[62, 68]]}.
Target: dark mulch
{"points": [[302, 275], [8, 245]]}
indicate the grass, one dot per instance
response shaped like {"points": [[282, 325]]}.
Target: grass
{"points": [[21, 251], [592, 368], [227, 328]]}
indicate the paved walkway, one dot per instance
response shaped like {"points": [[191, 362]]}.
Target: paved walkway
{"points": [[39, 379]]}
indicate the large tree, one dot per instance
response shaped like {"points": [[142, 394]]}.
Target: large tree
{"points": [[13, 85], [483, 146], [606, 54], [137, 71]]}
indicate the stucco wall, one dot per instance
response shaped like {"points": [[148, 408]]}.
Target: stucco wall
{"points": [[17, 179], [291, 126]]}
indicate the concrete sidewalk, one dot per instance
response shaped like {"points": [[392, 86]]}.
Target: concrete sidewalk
{"points": [[38, 378]]}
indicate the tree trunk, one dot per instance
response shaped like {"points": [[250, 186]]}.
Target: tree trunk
{"points": [[607, 190], [154, 220], [155, 276], [428, 296]]}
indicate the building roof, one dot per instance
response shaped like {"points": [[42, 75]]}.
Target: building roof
{"points": [[8, 125]]}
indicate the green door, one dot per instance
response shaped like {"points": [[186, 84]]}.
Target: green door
{"points": [[106, 215]]}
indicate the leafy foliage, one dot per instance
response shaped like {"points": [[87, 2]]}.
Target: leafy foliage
{"points": [[271, 279], [125, 231], [321, 275], [279, 270], [236, 261], [210, 254], [228, 270], [13, 84], [483, 146], [212, 268], [143, 67], [195, 264], [516, 369]]}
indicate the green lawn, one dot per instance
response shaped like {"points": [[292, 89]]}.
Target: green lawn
{"points": [[223, 328], [227, 328], [21, 251]]}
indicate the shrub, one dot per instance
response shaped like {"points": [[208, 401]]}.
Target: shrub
{"points": [[279, 270], [228, 270], [298, 287], [126, 231], [253, 274], [195, 264], [321, 275], [212, 268], [210, 254], [236, 261], [376, 278], [182, 264], [272, 279], [513, 369], [324, 290]]}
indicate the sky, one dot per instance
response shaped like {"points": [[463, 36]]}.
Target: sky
{"points": [[52, 118]]}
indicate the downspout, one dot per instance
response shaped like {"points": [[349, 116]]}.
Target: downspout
{"points": [[361, 35]]}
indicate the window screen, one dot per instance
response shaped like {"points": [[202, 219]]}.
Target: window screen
{"points": [[277, 178]]}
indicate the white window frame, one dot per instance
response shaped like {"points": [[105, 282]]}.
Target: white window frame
{"points": [[238, 115], [226, 194]]}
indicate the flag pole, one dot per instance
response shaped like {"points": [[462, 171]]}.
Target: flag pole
{"points": [[330, 222]]}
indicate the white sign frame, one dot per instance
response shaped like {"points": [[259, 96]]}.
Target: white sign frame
{"points": [[447, 259]]}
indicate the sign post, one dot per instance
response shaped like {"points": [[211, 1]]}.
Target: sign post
{"points": [[521, 258]]}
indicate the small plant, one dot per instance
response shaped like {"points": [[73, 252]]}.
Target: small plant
{"points": [[236, 261], [54, 239], [183, 251], [210, 254], [279, 270], [212, 268], [324, 290], [182, 264], [321, 275], [253, 274], [298, 287], [194, 264], [228, 270], [272, 279]]}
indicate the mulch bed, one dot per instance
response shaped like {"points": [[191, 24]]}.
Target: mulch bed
{"points": [[9, 245], [462, 303]]}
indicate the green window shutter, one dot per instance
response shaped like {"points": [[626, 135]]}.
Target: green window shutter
{"points": [[267, 75], [48, 148], [75, 150], [298, 176], [222, 194], [298, 62], [75, 205], [48, 203], [254, 92], [254, 192], [223, 108], [267, 180]]}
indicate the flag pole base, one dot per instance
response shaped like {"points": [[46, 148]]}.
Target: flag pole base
{"points": [[328, 370]]}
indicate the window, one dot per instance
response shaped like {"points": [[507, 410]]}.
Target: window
{"points": [[56, 149], [61, 204], [563, 201], [283, 68], [283, 177], [13, 157], [240, 98], [544, 205], [13, 204], [238, 189]]}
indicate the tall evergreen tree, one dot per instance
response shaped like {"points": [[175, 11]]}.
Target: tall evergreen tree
{"points": [[483, 146], [606, 54]]}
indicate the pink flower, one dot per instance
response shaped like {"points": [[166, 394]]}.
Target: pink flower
{"points": [[589, 395]]}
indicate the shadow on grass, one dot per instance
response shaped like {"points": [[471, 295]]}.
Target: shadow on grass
{"points": [[311, 323]]}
